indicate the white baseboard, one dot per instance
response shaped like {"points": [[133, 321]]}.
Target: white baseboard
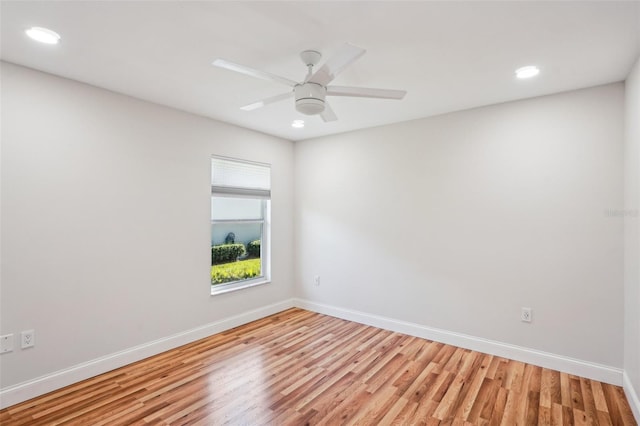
{"points": [[632, 396], [602, 373], [41, 385]]}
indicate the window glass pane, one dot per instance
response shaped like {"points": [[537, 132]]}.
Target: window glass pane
{"points": [[235, 252], [242, 233], [231, 208]]}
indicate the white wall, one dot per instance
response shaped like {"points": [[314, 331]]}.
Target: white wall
{"points": [[105, 221], [632, 237], [452, 222], [458, 221]]}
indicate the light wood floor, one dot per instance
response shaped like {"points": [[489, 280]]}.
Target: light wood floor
{"points": [[298, 368]]}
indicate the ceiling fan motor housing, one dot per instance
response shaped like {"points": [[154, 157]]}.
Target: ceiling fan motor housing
{"points": [[310, 98]]}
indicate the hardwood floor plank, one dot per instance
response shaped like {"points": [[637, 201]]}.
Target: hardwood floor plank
{"points": [[513, 377], [448, 401], [598, 397], [422, 415], [485, 401], [391, 416], [498, 411], [588, 401], [567, 416], [614, 411], [533, 408], [322, 405], [406, 414], [375, 409], [546, 387], [604, 419], [544, 416], [576, 394], [501, 371], [334, 383], [556, 414], [565, 390], [493, 367], [509, 409], [347, 408], [302, 368], [473, 387]]}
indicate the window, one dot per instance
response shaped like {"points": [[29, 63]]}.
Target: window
{"points": [[240, 209]]}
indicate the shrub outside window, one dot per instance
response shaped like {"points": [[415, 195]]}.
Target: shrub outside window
{"points": [[240, 209]]}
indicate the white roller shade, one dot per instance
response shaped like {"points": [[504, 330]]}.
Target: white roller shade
{"points": [[240, 178]]}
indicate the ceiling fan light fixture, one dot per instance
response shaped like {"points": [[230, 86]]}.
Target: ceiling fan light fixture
{"points": [[310, 98], [43, 35], [310, 106]]}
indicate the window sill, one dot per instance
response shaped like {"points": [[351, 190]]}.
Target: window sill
{"points": [[230, 287]]}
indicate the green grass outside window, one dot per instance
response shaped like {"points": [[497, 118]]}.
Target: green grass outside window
{"points": [[235, 271]]}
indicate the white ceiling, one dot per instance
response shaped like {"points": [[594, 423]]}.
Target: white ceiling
{"points": [[447, 55]]}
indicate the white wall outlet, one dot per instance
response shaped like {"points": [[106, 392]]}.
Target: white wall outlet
{"points": [[525, 315], [6, 343], [316, 280], [27, 339]]}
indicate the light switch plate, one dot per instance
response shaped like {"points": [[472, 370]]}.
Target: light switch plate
{"points": [[6, 343]]}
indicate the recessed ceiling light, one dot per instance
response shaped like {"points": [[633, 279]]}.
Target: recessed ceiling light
{"points": [[527, 72], [43, 35], [298, 124]]}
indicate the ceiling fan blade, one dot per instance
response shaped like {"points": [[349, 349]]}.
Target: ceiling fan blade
{"points": [[266, 101], [365, 92], [328, 114], [221, 63], [339, 61]]}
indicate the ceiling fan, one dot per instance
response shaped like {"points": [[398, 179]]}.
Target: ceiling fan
{"points": [[311, 92]]}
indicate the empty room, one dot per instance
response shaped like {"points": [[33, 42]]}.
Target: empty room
{"points": [[320, 212]]}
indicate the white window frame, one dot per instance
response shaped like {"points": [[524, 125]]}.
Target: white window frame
{"points": [[265, 240]]}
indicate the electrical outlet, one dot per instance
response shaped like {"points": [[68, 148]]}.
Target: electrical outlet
{"points": [[6, 343], [316, 280], [28, 339], [525, 315]]}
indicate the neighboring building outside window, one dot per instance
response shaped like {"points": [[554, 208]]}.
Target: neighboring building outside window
{"points": [[240, 224]]}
